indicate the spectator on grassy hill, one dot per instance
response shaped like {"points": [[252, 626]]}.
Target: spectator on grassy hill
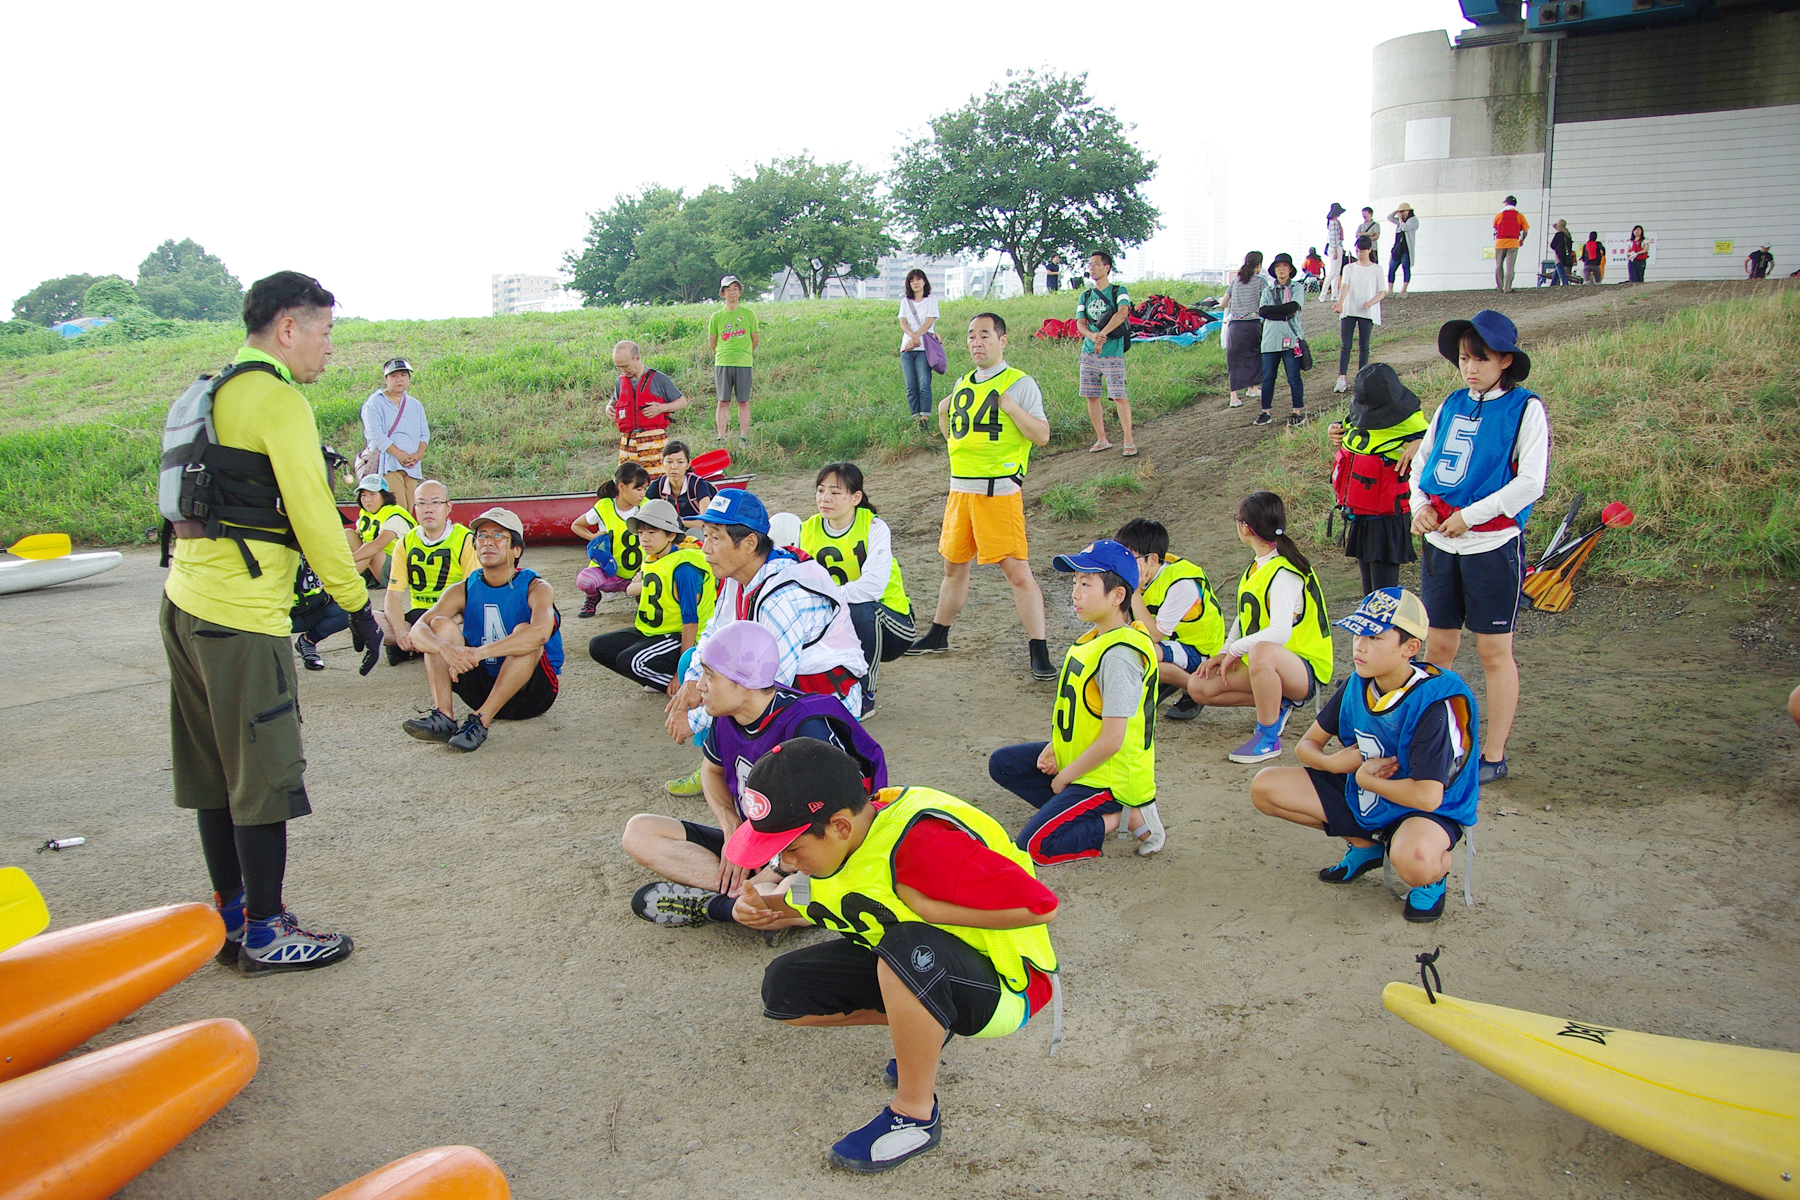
{"points": [[1371, 229], [732, 337], [1101, 316], [641, 407], [1405, 247], [1510, 228], [1334, 250], [1281, 336], [1760, 264], [1359, 303], [1053, 273], [394, 422], [1593, 258], [1562, 250], [679, 486], [1637, 255], [918, 317], [1243, 329]]}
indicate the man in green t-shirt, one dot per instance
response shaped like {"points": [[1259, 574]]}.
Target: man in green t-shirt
{"points": [[731, 336], [1101, 313]]}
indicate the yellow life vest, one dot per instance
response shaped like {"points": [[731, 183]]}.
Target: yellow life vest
{"points": [[858, 900], [368, 524], [659, 608], [1203, 625], [843, 555], [1387, 442], [1311, 636], [628, 556], [1129, 774], [430, 569], [985, 443]]}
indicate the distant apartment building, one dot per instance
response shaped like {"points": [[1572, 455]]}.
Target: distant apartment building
{"points": [[532, 293], [947, 277]]}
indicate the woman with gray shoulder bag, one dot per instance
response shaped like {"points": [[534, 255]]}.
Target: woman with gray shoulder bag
{"points": [[1283, 342]]}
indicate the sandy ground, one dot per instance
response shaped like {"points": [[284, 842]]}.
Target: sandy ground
{"points": [[1225, 1036]]}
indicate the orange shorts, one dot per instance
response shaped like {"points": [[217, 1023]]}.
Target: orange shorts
{"points": [[984, 528]]}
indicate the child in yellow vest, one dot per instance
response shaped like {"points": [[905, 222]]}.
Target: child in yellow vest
{"points": [[1176, 606], [856, 546], [1099, 767], [614, 555], [675, 594], [1278, 652], [943, 922]]}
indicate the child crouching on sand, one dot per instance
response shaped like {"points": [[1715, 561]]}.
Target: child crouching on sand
{"points": [[614, 555], [943, 922], [1404, 778], [1175, 604]]}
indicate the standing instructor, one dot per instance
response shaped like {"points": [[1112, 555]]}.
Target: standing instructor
{"points": [[233, 712]]}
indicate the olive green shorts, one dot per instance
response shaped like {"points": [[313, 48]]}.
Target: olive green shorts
{"points": [[234, 720]]}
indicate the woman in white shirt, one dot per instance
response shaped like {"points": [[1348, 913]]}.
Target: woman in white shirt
{"points": [[1359, 303], [918, 313]]}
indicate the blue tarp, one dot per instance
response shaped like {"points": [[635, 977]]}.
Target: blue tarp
{"points": [[1181, 339], [79, 326]]}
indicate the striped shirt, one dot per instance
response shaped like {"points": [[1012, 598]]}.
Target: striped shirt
{"points": [[1242, 299]]}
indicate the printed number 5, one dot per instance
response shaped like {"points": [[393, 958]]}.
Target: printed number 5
{"points": [[1459, 448]]}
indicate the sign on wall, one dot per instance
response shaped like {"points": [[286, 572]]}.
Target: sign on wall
{"points": [[1723, 247]]}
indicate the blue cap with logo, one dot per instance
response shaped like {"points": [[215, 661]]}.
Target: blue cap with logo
{"points": [[1388, 608], [735, 506], [1103, 555]]}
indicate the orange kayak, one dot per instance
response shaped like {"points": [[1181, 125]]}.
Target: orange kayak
{"points": [[83, 1129], [444, 1173], [59, 989]]}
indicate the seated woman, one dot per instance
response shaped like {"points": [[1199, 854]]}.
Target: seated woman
{"points": [[379, 523], [857, 548]]}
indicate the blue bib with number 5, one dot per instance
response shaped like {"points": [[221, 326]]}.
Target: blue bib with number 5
{"points": [[1475, 453]]}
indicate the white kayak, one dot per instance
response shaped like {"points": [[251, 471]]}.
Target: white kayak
{"points": [[29, 574]]}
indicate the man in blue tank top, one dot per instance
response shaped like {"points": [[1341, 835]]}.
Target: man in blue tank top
{"points": [[495, 639]]}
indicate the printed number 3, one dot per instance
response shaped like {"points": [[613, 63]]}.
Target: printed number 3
{"points": [[1458, 450]]}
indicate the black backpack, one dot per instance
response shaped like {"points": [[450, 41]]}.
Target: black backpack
{"points": [[1123, 331]]}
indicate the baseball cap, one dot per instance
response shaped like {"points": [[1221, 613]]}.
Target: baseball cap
{"points": [[736, 506], [784, 529], [658, 514], [728, 281], [798, 782], [371, 483], [745, 653], [1103, 555], [395, 364], [1496, 329], [1388, 608], [505, 518]]}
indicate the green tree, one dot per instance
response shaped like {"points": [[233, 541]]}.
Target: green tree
{"points": [[53, 300], [818, 219], [110, 296], [652, 248], [1031, 167], [181, 280]]}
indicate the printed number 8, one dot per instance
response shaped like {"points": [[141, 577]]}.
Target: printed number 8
{"points": [[960, 403]]}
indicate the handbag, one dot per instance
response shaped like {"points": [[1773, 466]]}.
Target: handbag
{"points": [[370, 458], [935, 356], [1304, 353]]}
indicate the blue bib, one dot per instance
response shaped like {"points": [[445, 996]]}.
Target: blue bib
{"points": [[1472, 456], [1389, 734], [491, 613]]}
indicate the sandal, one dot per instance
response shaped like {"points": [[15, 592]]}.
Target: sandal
{"points": [[1097, 447], [1128, 452]]}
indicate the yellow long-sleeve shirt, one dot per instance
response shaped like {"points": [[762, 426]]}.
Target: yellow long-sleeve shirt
{"points": [[257, 411]]}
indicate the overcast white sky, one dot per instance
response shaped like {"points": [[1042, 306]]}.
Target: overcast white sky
{"points": [[403, 152]]}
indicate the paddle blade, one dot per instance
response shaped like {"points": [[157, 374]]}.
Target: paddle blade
{"points": [[712, 463], [1617, 515], [23, 913], [42, 545]]}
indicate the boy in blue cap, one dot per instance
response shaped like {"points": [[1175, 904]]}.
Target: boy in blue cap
{"points": [[1403, 778], [1101, 756], [1486, 455]]}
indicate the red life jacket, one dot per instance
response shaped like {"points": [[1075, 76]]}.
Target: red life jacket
{"points": [[633, 396]]}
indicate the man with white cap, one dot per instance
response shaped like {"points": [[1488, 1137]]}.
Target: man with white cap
{"points": [[751, 714], [394, 423], [732, 337], [508, 612]]}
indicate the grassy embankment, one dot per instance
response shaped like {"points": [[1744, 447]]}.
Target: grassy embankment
{"points": [[1693, 421], [515, 402]]}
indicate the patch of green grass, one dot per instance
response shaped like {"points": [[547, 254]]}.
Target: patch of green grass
{"points": [[1081, 501]]}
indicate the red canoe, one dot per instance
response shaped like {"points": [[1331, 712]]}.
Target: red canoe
{"points": [[546, 518]]}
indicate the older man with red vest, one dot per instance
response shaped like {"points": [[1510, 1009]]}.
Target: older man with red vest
{"points": [[641, 407], [1510, 228]]}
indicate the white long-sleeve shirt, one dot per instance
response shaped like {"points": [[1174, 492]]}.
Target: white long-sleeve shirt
{"points": [[1287, 596], [1523, 490]]}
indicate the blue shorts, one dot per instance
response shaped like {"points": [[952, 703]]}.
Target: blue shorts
{"points": [[1182, 655], [1477, 592], [1340, 819]]}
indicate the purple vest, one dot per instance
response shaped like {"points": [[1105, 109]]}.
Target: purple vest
{"points": [[738, 751]]}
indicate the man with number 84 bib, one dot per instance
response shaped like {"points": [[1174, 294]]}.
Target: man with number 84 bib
{"points": [[991, 418]]}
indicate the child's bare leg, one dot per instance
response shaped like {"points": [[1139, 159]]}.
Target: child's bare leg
{"points": [[1230, 690], [1288, 793], [1172, 675], [1502, 672], [1276, 673], [1420, 852], [918, 1043]]}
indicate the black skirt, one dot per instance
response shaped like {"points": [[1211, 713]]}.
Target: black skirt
{"points": [[1243, 354], [1381, 539]]}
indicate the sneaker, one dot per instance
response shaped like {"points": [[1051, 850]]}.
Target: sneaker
{"points": [[233, 915], [396, 656], [1287, 709], [887, 1141], [309, 653], [590, 606], [1236, 402], [868, 708], [1263, 418], [470, 736], [1357, 862], [1184, 709], [434, 726], [1152, 836], [279, 944], [687, 785], [1424, 904], [665, 903], [1343, 385], [935, 641], [1260, 748], [1296, 419], [1041, 666], [1488, 772]]}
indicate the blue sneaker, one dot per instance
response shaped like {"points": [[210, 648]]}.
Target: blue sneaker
{"points": [[1357, 862], [279, 944], [1426, 903], [1488, 772], [886, 1142], [232, 913], [1287, 708], [1263, 745]]}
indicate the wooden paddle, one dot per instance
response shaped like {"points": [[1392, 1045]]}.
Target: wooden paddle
{"points": [[22, 910], [42, 545]]}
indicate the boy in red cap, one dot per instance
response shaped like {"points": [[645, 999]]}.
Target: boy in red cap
{"points": [[943, 921]]}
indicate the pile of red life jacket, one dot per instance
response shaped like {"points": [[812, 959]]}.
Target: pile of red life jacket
{"points": [[1054, 328], [1161, 316]]}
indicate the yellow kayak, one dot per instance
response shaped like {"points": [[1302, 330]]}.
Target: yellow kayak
{"points": [[22, 910], [1732, 1112]]}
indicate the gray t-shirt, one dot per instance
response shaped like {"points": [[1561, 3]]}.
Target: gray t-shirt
{"points": [[661, 386], [1026, 394], [1121, 682]]}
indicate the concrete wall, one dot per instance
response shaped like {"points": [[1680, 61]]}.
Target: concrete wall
{"points": [[1454, 131]]}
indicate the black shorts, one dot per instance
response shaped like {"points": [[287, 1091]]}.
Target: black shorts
{"points": [[532, 700], [956, 983], [1340, 821], [1477, 592], [707, 837]]}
